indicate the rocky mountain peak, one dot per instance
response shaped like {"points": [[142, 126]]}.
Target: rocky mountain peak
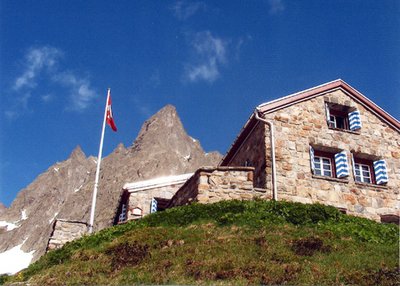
{"points": [[77, 154], [120, 148], [163, 121]]}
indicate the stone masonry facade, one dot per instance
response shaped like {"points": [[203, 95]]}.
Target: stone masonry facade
{"points": [[65, 231], [304, 124], [214, 184]]}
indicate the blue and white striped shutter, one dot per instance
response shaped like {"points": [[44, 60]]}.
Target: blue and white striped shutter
{"points": [[342, 166], [354, 120], [381, 175], [153, 206], [312, 160]]}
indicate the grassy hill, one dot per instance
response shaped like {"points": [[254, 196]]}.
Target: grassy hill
{"points": [[231, 242]]}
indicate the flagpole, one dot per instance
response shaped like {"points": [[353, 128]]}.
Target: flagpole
{"points": [[96, 183]]}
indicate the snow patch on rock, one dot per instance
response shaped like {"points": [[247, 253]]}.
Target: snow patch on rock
{"points": [[15, 259], [52, 219], [24, 216], [78, 189], [9, 225]]}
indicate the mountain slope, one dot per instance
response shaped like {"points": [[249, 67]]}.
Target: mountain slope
{"points": [[65, 190]]}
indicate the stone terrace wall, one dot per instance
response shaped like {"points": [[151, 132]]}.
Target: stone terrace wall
{"points": [[65, 231], [210, 185], [304, 124]]}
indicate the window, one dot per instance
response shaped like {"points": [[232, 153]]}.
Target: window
{"points": [[342, 117], [369, 171], [329, 164], [323, 166], [362, 173], [339, 121], [248, 163]]}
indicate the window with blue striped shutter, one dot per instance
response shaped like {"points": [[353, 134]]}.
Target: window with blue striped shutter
{"points": [[354, 120], [153, 206], [342, 165], [381, 175], [312, 159]]}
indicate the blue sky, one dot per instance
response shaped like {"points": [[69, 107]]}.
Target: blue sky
{"points": [[214, 60]]}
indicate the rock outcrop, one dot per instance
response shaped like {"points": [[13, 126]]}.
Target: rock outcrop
{"points": [[3, 209], [64, 191]]}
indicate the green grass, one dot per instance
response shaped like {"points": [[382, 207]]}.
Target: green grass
{"points": [[231, 242]]}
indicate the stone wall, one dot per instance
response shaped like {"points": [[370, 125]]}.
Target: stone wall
{"points": [[187, 193], [142, 199], [304, 124], [252, 154], [210, 185], [65, 231]]}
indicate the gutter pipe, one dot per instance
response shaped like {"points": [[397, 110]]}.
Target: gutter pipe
{"points": [[272, 140]]}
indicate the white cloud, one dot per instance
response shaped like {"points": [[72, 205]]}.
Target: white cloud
{"points": [[210, 54], [42, 64], [37, 60], [184, 9], [276, 6], [47, 97], [81, 94], [208, 72]]}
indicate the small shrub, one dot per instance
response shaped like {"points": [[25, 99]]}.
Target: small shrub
{"points": [[3, 278]]}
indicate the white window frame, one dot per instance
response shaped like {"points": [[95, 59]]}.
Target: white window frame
{"points": [[332, 120], [321, 170], [363, 179]]}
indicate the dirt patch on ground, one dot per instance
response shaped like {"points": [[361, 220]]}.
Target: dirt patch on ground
{"points": [[253, 274], [384, 277], [309, 245], [127, 254]]}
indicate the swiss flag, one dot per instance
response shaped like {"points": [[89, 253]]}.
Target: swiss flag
{"points": [[109, 115]]}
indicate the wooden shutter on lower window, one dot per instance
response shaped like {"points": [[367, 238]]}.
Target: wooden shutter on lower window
{"points": [[341, 164], [381, 175], [153, 206], [312, 160], [354, 120]]}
